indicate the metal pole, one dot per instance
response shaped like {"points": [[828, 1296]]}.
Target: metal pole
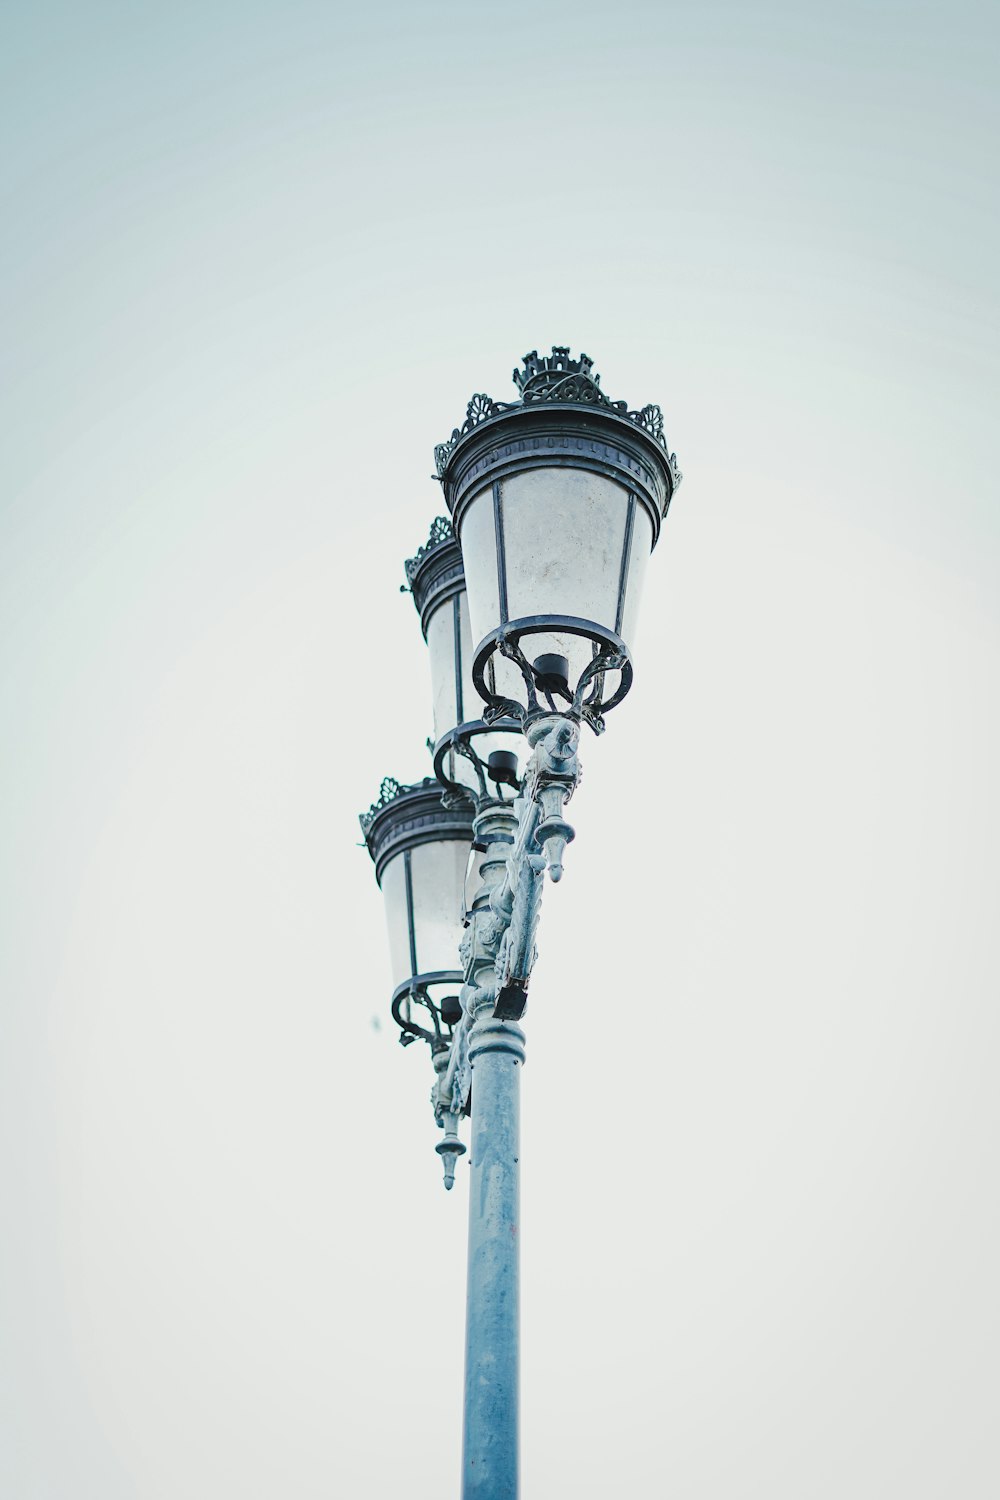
{"points": [[490, 1458], [496, 1051], [521, 839]]}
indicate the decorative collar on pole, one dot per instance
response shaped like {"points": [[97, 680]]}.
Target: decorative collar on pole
{"points": [[561, 379]]}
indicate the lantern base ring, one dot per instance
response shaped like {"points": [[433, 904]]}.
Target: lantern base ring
{"points": [[417, 989], [463, 741], [610, 655]]}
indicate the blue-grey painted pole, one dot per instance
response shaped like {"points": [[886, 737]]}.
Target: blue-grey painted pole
{"points": [[490, 1458], [520, 840]]}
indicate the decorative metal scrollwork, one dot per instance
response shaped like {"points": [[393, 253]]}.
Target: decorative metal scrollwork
{"points": [[518, 950], [437, 1031], [503, 708], [441, 531], [454, 798], [390, 789], [557, 377], [443, 451], [480, 407], [651, 419], [462, 747], [560, 377], [542, 371], [498, 948], [509, 647], [606, 660]]}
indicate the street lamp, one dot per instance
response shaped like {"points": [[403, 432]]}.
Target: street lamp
{"points": [[557, 501]]}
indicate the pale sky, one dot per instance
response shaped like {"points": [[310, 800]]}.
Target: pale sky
{"points": [[255, 259]]}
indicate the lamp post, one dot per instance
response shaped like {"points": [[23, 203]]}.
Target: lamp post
{"points": [[528, 603]]}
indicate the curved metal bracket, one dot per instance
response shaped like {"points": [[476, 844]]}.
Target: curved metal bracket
{"points": [[610, 655], [416, 990], [498, 948]]}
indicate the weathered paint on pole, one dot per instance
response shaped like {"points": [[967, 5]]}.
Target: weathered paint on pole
{"points": [[520, 839], [495, 1052], [492, 1350]]}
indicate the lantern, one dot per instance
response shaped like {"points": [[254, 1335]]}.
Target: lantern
{"points": [[421, 851], [557, 501]]}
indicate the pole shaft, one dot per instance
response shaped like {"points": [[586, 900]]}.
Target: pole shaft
{"points": [[490, 1448]]}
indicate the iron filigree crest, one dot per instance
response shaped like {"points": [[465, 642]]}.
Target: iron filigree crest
{"points": [[479, 408], [557, 377], [387, 792], [441, 531]]}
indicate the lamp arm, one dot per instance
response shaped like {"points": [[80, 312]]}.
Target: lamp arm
{"points": [[498, 950]]}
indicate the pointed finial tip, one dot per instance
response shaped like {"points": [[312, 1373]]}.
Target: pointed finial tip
{"points": [[449, 1150]]}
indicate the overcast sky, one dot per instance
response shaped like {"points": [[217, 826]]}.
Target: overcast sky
{"points": [[254, 260]]}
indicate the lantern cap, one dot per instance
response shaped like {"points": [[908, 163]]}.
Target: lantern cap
{"points": [[404, 816], [560, 379], [435, 573], [441, 532]]}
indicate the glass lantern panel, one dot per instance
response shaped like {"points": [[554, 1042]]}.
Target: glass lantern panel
{"points": [[449, 710], [394, 898], [642, 546], [438, 875], [564, 534], [472, 704], [479, 557], [504, 676], [441, 647]]}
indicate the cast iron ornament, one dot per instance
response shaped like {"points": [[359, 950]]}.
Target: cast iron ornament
{"points": [[441, 531], [387, 792], [557, 377]]}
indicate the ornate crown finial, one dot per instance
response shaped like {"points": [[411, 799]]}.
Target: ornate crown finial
{"points": [[556, 377], [539, 374]]}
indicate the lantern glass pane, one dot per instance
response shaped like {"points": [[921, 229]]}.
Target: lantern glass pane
{"points": [[394, 898], [472, 704], [504, 676], [564, 534], [441, 647], [479, 558], [438, 875], [642, 546], [460, 771]]}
